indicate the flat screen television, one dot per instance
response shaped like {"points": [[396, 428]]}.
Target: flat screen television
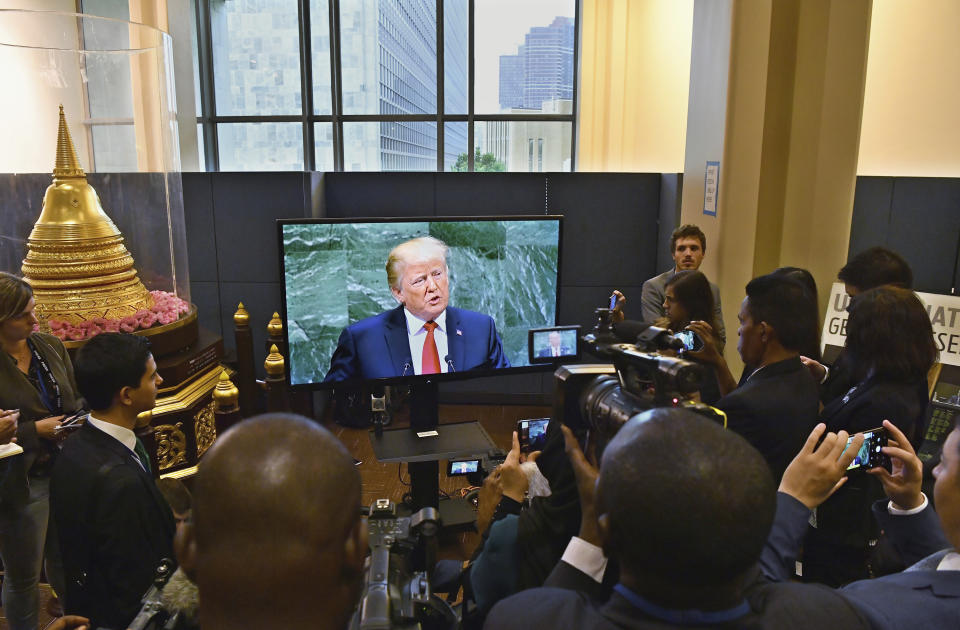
{"points": [[344, 323]]}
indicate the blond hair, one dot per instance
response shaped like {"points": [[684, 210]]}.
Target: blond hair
{"points": [[422, 248], [15, 294]]}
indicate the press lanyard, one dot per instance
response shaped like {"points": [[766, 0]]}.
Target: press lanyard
{"points": [[46, 379]]}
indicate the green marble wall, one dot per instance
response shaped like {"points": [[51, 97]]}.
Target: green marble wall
{"points": [[334, 275]]}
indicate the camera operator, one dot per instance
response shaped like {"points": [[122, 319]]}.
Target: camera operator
{"points": [[926, 595], [276, 539], [684, 507], [776, 406]]}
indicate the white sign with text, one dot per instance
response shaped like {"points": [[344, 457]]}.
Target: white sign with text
{"points": [[944, 311]]}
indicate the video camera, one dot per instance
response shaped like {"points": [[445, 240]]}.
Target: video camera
{"points": [[599, 398], [396, 591], [155, 611]]}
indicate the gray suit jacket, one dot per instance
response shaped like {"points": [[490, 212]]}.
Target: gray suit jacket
{"points": [[651, 303]]}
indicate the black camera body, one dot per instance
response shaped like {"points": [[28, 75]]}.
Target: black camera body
{"points": [[595, 400], [397, 592], [476, 468]]}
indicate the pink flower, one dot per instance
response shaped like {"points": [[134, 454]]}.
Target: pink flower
{"points": [[128, 327], [130, 320], [148, 320], [99, 321], [167, 318], [55, 324], [60, 333], [75, 335], [112, 325]]}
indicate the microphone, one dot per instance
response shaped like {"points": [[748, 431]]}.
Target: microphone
{"points": [[407, 366], [449, 363]]}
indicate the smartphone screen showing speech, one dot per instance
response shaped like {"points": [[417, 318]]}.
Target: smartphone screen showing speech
{"points": [[463, 467], [532, 434], [691, 340], [870, 454]]}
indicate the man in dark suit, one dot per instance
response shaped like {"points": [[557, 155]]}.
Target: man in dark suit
{"points": [[684, 507], [927, 594], [423, 335], [114, 525], [776, 406]]}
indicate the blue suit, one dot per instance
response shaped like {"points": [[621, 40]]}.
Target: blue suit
{"points": [[919, 597], [378, 346]]}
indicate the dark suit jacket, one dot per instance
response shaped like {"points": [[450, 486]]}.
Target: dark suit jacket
{"points": [[568, 602], [548, 351], [16, 392], [920, 597], [378, 346], [775, 410], [114, 527], [844, 518]]}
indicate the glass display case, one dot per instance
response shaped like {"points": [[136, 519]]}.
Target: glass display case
{"points": [[92, 206]]}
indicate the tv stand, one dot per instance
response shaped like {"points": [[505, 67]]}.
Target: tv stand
{"points": [[422, 454]]}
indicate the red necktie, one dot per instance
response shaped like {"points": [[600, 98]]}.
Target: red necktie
{"points": [[431, 358]]}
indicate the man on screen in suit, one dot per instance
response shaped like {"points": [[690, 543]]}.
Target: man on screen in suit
{"points": [[114, 525], [555, 348], [423, 335]]}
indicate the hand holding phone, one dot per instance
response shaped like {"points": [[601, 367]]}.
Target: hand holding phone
{"points": [[871, 453], [903, 481], [532, 434]]}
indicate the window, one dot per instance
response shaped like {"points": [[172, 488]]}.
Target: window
{"points": [[404, 85]]}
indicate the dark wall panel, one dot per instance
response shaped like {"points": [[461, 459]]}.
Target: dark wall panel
{"points": [[476, 194], [378, 194], [872, 203], [919, 217], [671, 193], [610, 233], [201, 235], [245, 209], [924, 227]]}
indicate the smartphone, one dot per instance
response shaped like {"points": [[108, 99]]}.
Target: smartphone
{"points": [[870, 454], [457, 467], [690, 339], [532, 434], [613, 301]]}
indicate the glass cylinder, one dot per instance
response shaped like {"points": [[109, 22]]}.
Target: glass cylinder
{"points": [[114, 80]]}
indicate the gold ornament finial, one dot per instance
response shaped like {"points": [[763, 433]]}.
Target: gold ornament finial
{"points": [[225, 394], [67, 164], [241, 318], [274, 364], [275, 327]]}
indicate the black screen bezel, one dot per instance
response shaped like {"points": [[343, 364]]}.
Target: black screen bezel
{"points": [[420, 378]]}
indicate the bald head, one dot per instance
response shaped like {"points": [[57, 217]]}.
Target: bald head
{"points": [[685, 501], [276, 510]]}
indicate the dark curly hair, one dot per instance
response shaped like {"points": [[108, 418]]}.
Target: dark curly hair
{"points": [[889, 332], [688, 231]]}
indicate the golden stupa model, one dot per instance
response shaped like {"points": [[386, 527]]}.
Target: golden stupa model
{"points": [[76, 262]]}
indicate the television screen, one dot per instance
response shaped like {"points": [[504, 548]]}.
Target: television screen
{"points": [[345, 322]]}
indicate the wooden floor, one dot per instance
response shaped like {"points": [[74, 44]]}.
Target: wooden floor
{"points": [[384, 481]]}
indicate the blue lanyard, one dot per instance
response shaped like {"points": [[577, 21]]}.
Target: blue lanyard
{"points": [[45, 376], [688, 617]]}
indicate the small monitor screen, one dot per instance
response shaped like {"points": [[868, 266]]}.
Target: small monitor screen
{"points": [[384, 299], [554, 344]]}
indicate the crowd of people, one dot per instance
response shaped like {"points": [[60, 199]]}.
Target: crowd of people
{"points": [[675, 521]]}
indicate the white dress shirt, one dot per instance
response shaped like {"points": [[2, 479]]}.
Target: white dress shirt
{"points": [[417, 335], [122, 434]]}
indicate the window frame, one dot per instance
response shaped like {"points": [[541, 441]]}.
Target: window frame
{"points": [[210, 121]]}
